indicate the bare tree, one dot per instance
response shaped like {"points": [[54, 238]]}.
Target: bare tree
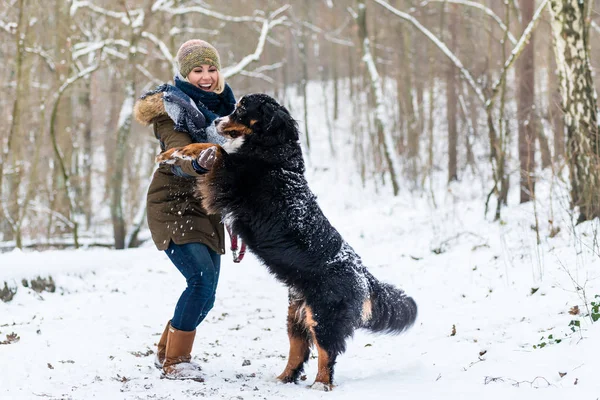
{"points": [[451, 99], [526, 108], [381, 113]]}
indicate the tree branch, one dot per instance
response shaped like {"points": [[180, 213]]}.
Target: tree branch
{"points": [[464, 72], [523, 40], [267, 26], [486, 10]]}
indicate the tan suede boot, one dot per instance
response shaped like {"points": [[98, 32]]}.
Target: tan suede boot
{"points": [[178, 359], [162, 347]]}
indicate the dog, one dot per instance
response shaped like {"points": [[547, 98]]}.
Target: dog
{"points": [[256, 181]]}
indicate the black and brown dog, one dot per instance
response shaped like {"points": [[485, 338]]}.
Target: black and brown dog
{"points": [[256, 180]]}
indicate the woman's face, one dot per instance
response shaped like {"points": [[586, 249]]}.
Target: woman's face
{"points": [[205, 77]]}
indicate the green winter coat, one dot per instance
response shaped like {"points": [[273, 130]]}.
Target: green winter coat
{"points": [[174, 214]]}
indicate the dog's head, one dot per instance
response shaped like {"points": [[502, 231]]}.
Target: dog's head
{"points": [[259, 119]]}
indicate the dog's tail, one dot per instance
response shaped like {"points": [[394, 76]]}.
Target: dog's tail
{"points": [[389, 309]]}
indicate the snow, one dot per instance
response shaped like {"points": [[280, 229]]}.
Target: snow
{"points": [[487, 294]]}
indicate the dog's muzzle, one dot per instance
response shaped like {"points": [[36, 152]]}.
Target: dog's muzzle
{"points": [[218, 124]]}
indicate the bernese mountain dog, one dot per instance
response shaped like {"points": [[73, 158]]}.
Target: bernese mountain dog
{"points": [[256, 181]]}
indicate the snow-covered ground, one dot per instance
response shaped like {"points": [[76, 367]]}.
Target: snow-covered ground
{"points": [[487, 294]]}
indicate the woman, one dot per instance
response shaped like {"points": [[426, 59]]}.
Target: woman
{"points": [[194, 241]]}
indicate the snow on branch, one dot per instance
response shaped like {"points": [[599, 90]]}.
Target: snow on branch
{"points": [[205, 32], [380, 111], [267, 26], [464, 72], [258, 72], [75, 78], [10, 27], [164, 49], [126, 17], [481, 7], [259, 76], [84, 48], [271, 67], [523, 40], [331, 36], [44, 55], [167, 6], [595, 26], [148, 75]]}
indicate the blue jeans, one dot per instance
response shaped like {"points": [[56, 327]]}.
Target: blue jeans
{"points": [[200, 266]]}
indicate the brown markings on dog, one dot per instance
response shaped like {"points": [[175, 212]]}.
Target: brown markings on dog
{"points": [[253, 121], [203, 183], [240, 129], [367, 310], [298, 346], [323, 370], [309, 319]]}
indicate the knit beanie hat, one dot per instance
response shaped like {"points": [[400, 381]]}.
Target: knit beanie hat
{"points": [[196, 52]]}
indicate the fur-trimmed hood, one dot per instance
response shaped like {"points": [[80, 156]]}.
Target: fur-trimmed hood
{"points": [[149, 107], [188, 115]]}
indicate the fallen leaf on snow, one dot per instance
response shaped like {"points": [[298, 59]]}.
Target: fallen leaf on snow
{"points": [[574, 310], [11, 338]]}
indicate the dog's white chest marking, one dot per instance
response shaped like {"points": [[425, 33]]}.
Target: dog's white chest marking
{"points": [[232, 145]]}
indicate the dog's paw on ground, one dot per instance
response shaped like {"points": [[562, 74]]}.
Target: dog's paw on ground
{"points": [[323, 387]]}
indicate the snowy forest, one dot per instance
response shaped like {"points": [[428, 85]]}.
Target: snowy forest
{"points": [[509, 83], [453, 143]]}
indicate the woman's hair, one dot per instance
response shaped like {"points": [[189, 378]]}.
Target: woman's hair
{"points": [[220, 83]]}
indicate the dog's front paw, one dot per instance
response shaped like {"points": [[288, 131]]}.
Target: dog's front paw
{"points": [[189, 152], [170, 156]]}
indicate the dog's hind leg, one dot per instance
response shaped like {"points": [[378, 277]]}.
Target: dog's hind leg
{"points": [[299, 341], [330, 341]]}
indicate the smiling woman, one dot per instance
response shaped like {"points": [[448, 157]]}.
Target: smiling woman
{"points": [[205, 77], [200, 65], [183, 114]]}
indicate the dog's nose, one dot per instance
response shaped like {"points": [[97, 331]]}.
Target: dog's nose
{"points": [[217, 121]]}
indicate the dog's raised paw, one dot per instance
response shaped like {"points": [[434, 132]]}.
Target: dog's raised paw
{"points": [[323, 387], [171, 156]]}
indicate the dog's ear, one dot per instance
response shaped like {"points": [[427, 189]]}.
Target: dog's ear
{"points": [[282, 122]]}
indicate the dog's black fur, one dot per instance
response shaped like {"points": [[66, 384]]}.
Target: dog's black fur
{"points": [[260, 189]]}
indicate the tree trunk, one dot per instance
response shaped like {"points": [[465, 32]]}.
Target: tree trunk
{"points": [[543, 141], [64, 116], [556, 116], [579, 102], [526, 108], [380, 107], [85, 102], [452, 100], [11, 153], [117, 179], [304, 61]]}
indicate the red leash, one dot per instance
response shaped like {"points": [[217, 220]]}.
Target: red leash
{"points": [[237, 255]]}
